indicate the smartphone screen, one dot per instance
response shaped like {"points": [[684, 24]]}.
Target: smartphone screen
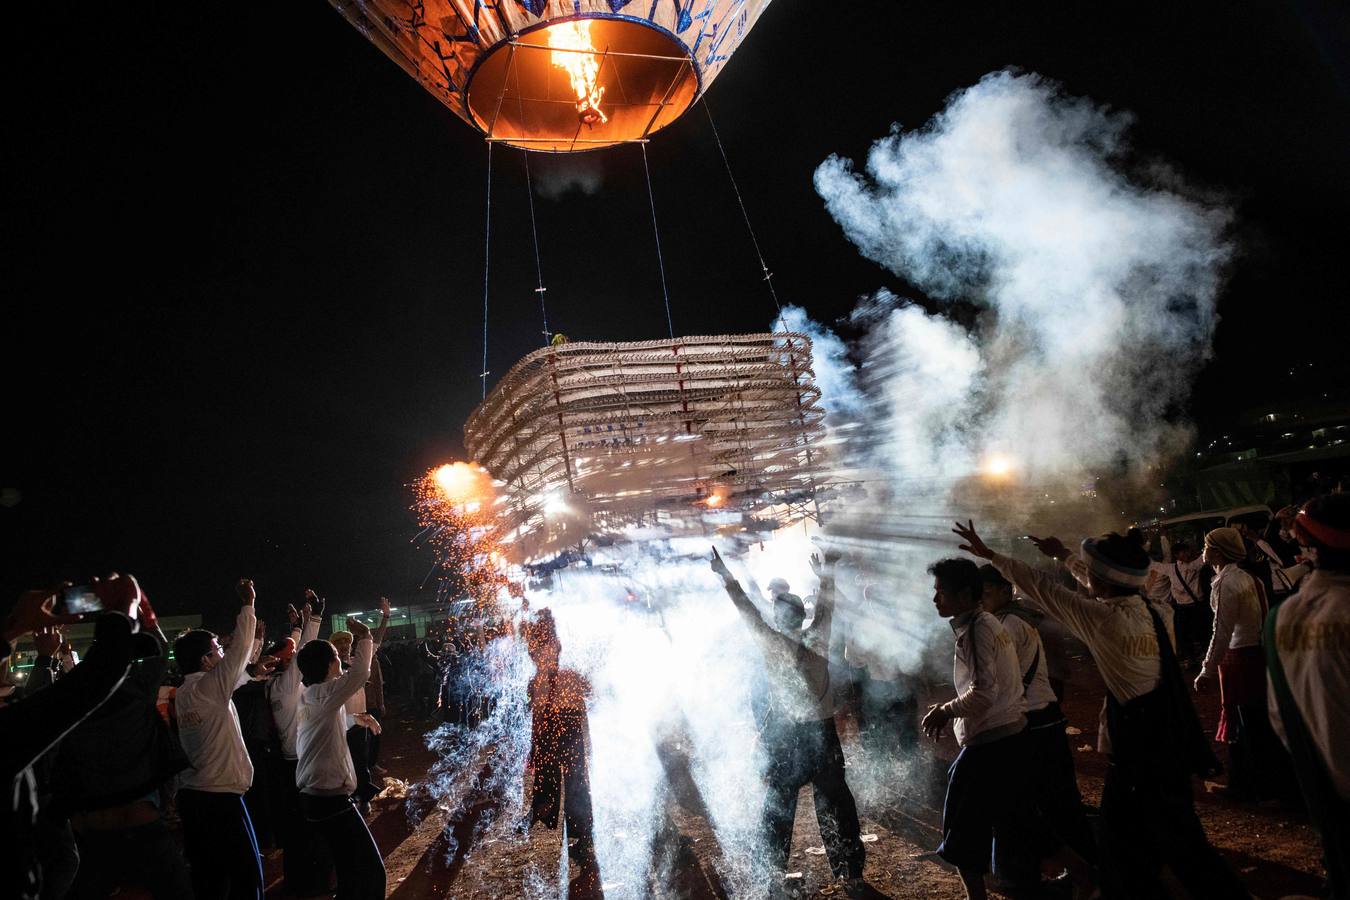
{"points": [[80, 599]]}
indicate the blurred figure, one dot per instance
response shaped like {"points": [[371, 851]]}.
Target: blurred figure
{"points": [[1305, 642], [798, 730]]}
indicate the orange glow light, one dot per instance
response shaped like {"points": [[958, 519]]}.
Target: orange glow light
{"points": [[463, 483], [574, 53]]}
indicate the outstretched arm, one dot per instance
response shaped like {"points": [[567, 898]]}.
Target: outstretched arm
{"points": [[739, 598]]}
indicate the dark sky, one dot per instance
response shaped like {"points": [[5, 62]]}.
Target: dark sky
{"points": [[245, 250]]}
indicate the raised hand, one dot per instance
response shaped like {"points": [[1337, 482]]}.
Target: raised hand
{"points": [[259, 630], [47, 641], [264, 666], [1052, 547], [718, 565], [314, 601], [292, 614], [384, 607], [247, 594], [358, 629], [972, 543]]}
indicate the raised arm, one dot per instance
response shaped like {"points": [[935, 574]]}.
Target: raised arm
{"points": [[823, 621], [229, 672], [1081, 615], [739, 598], [384, 622], [333, 694]]}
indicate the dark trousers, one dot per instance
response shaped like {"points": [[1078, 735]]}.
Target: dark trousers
{"points": [[1149, 821], [306, 867], [220, 847], [1056, 788], [888, 717], [1192, 623], [373, 742], [258, 798], [358, 744], [360, 868], [144, 855], [802, 753]]}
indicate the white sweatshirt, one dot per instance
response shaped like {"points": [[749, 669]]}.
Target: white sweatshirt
{"points": [[1117, 631], [208, 724], [1312, 635], [356, 703], [283, 692], [989, 700], [325, 767], [1167, 572], [1237, 615], [1030, 651]]}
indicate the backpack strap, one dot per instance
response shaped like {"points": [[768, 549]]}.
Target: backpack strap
{"points": [[1176, 567]]}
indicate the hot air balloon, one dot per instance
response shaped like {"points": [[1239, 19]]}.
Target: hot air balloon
{"points": [[559, 75]]}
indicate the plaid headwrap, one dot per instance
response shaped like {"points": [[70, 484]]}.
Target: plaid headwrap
{"points": [[1111, 570]]}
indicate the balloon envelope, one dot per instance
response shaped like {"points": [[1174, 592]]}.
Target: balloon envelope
{"points": [[559, 75]]}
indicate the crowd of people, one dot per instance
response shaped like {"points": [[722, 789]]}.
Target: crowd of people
{"points": [[177, 777]]}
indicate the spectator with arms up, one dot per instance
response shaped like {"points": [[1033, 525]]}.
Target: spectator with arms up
{"points": [[217, 832], [325, 774]]}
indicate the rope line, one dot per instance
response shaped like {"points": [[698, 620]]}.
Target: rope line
{"points": [[660, 263], [768, 276], [538, 266], [487, 258]]}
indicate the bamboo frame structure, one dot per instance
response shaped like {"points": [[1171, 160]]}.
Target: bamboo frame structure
{"points": [[640, 432]]}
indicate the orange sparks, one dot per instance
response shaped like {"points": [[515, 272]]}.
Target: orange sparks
{"points": [[574, 53], [464, 484], [715, 499]]}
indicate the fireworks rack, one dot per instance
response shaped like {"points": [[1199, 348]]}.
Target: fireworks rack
{"points": [[652, 432]]}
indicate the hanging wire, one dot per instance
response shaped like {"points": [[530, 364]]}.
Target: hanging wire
{"points": [[768, 276], [660, 263], [538, 266], [487, 258]]}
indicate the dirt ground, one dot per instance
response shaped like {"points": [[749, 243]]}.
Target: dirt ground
{"points": [[1274, 849]]}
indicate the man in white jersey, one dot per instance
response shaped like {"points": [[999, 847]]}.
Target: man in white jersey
{"points": [[325, 774], [989, 718], [1149, 726], [1305, 640], [218, 837]]}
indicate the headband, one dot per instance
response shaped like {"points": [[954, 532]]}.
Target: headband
{"points": [[1321, 532]]}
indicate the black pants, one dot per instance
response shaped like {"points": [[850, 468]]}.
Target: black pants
{"points": [[220, 847], [1149, 821], [360, 868], [802, 753], [358, 744], [144, 855], [1056, 788], [1192, 623], [888, 717], [306, 866]]}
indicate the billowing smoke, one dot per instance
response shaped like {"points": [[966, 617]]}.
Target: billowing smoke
{"points": [[1096, 285], [556, 175]]}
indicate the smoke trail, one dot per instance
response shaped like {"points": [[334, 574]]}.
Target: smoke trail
{"points": [[1098, 288]]}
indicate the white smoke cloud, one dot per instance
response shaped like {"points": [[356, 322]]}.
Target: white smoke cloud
{"points": [[1099, 288], [557, 175]]}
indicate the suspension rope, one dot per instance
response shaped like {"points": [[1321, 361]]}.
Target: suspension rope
{"points": [[487, 258], [660, 263], [538, 266], [768, 276]]}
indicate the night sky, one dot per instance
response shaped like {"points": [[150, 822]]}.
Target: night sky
{"points": [[245, 250]]}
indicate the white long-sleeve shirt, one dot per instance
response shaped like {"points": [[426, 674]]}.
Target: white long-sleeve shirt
{"points": [[1118, 631], [325, 767], [283, 692], [356, 703], [1176, 577], [989, 699], [208, 724], [1030, 651], [1311, 636], [1237, 615]]}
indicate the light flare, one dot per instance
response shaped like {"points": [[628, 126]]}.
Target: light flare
{"points": [[574, 52]]}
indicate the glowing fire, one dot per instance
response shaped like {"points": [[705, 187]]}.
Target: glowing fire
{"points": [[574, 53], [999, 467], [463, 484], [715, 499]]}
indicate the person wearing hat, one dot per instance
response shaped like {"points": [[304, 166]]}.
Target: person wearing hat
{"points": [[1306, 638], [798, 730], [1149, 728], [1235, 659]]}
